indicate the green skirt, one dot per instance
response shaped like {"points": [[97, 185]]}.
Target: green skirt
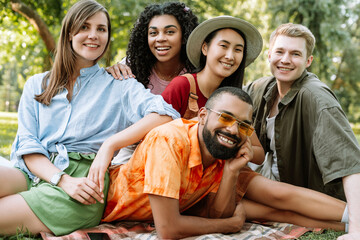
{"points": [[57, 210]]}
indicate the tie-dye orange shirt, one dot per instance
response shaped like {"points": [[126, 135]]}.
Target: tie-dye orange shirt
{"points": [[166, 163]]}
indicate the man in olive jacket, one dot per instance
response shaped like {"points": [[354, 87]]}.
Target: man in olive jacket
{"points": [[306, 136]]}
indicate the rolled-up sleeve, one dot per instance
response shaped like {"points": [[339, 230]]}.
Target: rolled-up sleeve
{"points": [[335, 146], [26, 140]]}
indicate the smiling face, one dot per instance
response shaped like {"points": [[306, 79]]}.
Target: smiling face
{"points": [[221, 141], [91, 40], [288, 58], [224, 52], [165, 38]]}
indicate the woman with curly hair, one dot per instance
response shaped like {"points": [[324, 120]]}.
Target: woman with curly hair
{"points": [[157, 47], [156, 51]]}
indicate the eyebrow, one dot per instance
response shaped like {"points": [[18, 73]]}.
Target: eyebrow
{"points": [[245, 121], [99, 25], [225, 41], [167, 26]]}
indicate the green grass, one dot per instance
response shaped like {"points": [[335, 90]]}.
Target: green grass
{"points": [[8, 127], [326, 235], [21, 236]]}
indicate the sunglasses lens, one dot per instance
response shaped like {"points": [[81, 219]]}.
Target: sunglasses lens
{"points": [[227, 119]]}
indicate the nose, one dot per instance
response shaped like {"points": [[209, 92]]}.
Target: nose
{"points": [[160, 37], [229, 54], [233, 129], [285, 58], [93, 34]]}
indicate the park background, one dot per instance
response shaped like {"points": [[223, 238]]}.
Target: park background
{"points": [[29, 30]]}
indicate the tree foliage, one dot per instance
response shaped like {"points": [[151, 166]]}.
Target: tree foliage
{"points": [[335, 24]]}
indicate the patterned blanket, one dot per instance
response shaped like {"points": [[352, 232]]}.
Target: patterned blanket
{"points": [[146, 231]]}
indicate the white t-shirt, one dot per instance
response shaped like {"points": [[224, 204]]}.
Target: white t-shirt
{"points": [[270, 129]]}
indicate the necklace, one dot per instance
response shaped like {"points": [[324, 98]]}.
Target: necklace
{"points": [[170, 76]]}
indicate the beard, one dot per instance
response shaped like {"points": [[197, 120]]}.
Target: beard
{"points": [[216, 149]]}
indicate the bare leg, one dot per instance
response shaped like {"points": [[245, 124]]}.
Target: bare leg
{"points": [[15, 213], [12, 181], [304, 201], [259, 212]]}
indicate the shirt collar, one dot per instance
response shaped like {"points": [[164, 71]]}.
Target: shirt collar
{"points": [[89, 70], [295, 88], [195, 153]]}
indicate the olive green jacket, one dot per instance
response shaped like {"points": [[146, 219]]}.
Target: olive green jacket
{"points": [[314, 142]]}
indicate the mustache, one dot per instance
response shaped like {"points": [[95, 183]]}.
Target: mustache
{"points": [[236, 138]]}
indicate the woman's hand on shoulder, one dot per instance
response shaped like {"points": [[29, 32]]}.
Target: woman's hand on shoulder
{"points": [[120, 71]]}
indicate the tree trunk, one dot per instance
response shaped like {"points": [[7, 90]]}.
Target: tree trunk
{"points": [[39, 25]]}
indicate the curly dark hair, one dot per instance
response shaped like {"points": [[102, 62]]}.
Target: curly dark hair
{"points": [[138, 55]]}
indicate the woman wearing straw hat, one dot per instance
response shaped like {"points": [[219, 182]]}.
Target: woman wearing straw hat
{"points": [[220, 48]]}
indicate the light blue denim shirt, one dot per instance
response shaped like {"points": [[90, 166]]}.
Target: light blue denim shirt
{"points": [[100, 107]]}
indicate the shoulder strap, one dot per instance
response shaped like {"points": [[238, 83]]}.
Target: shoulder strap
{"points": [[192, 108]]}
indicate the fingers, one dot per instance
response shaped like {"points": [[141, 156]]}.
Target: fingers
{"points": [[120, 71], [93, 191], [112, 72], [101, 183], [82, 189], [98, 177], [246, 150], [125, 70], [88, 193]]}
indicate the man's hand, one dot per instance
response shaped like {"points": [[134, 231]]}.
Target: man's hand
{"points": [[244, 156], [240, 215]]}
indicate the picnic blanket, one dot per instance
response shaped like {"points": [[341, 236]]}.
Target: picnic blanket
{"points": [[146, 231]]}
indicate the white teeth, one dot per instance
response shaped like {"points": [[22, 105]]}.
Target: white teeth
{"points": [[163, 48], [226, 65], [226, 140], [91, 45], [284, 69]]}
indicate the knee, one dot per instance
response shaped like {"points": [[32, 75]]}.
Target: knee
{"points": [[281, 192]]}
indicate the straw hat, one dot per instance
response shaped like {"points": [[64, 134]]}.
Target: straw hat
{"points": [[254, 40]]}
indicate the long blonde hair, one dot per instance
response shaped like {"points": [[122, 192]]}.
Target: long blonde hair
{"points": [[65, 57]]}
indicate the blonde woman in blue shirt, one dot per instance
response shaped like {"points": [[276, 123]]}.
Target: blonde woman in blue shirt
{"points": [[65, 115]]}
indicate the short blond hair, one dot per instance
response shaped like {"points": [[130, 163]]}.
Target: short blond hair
{"points": [[295, 30]]}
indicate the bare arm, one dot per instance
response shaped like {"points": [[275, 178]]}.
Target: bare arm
{"points": [[352, 191], [170, 224], [259, 153], [81, 189], [126, 137], [223, 204]]}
